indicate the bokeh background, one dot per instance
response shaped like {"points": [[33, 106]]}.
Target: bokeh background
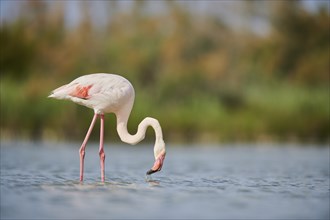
{"points": [[209, 71]]}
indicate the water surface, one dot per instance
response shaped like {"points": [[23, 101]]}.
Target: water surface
{"points": [[40, 181]]}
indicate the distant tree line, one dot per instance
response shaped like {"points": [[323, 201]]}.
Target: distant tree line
{"points": [[204, 80]]}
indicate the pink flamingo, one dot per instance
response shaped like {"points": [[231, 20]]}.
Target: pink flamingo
{"points": [[110, 93]]}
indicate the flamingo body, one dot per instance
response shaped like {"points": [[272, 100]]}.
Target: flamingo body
{"points": [[105, 93], [110, 93]]}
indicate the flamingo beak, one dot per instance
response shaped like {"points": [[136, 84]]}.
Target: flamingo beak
{"points": [[157, 165]]}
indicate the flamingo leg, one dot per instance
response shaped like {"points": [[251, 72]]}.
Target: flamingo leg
{"points": [[83, 146], [101, 150]]}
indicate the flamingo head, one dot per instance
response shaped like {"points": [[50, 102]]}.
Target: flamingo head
{"points": [[160, 154], [158, 164]]}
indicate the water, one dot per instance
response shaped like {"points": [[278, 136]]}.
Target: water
{"points": [[40, 181]]}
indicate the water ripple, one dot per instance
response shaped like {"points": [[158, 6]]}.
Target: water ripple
{"points": [[241, 184]]}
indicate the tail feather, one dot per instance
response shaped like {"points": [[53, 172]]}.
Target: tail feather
{"points": [[60, 93]]}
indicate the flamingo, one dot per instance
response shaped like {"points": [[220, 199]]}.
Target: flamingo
{"points": [[110, 93]]}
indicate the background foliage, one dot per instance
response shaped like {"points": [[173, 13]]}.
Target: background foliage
{"points": [[202, 78]]}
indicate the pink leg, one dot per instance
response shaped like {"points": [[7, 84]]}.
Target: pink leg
{"points": [[83, 146], [101, 150]]}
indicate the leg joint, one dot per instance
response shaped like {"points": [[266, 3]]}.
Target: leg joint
{"points": [[82, 152], [102, 154]]}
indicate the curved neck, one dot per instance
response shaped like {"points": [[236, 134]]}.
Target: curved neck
{"points": [[125, 136]]}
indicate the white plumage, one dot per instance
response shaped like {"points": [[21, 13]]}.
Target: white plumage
{"points": [[110, 93]]}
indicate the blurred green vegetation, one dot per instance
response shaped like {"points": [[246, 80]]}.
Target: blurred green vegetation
{"points": [[202, 79]]}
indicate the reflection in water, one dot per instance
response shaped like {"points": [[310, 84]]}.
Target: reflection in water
{"points": [[151, 181], [210, 183]]}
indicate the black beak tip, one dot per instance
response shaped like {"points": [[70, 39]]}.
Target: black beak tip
{"points": [[151, 172]]}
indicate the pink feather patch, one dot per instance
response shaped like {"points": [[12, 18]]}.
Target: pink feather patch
{"points": [[81, 91]]}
